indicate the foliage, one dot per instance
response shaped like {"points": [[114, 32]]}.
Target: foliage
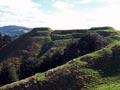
{"points": [[4, 40], [40, 76], [91, 42]]}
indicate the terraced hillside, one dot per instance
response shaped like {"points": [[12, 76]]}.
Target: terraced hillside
{"points": [[62, 60]]}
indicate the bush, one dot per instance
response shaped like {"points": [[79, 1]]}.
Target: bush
{"points": [[91, 42]]}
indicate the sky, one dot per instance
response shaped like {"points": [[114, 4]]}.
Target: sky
{"points": [[60, 14]]}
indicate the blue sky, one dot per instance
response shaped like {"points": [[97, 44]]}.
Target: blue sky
{"points": [[60, 14]]}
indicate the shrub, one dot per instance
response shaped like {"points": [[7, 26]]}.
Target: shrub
{"points": [[91, 42]]}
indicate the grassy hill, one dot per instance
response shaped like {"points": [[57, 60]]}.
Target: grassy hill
{"points": [[62, 60]]}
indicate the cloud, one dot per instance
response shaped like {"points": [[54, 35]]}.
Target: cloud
{"points": [[100, 16], [85, 1], [28, 13], [62, 5], [107, 15], [21, 12]]}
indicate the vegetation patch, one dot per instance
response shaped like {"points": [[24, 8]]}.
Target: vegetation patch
{"points": [[108, 83], [40, 76]]}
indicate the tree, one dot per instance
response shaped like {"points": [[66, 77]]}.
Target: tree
{"points": [[90, 42], [6, 39], [71, 51], [12, 72]]}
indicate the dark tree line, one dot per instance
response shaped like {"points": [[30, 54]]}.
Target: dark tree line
{"points": [[88, 43], [4, 40]]}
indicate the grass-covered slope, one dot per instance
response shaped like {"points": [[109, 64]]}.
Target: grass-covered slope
{"points": [[96, 70], [109, 83], [73, 75], [42, 51]]}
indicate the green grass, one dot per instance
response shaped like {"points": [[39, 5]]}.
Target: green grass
{"points": [[64, 42], [40, 76], [109, 83], [99, 53], [109, 87]]}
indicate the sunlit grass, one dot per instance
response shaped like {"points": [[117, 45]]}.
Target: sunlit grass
{"points": [[109, 83]]}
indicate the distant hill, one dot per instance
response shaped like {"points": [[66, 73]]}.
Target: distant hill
{"points": [[13, 31], [30, 42]]}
